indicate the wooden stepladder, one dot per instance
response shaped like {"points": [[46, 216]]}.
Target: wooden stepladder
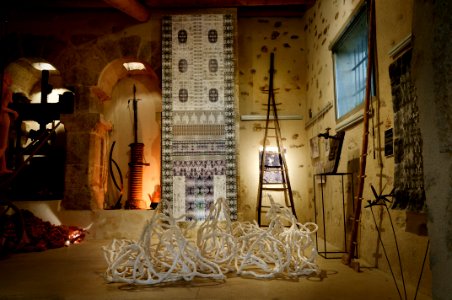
{"points": [[273, 171]]}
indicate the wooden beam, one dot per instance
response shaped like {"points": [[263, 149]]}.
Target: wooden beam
{"points": [[131, 7], [271, 11], [224, 3]]}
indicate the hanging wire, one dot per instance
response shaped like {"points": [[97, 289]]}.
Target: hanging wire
{"points": [[386, 254], [422, 269], [398, 251], [382, 200]]}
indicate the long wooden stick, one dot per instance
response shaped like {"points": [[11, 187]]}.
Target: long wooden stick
{"points": [[352, 242]]}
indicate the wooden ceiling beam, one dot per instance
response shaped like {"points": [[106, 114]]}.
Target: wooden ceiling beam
{"points": [[131, 7], [271, 11], [224, 3]]}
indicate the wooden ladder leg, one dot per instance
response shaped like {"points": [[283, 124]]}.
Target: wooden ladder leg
{"points": [[272, 117]]}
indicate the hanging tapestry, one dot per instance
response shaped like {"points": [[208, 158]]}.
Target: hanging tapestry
{"points": [[198, 116], [408, 170]]}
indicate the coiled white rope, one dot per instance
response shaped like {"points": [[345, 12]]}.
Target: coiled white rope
{"points": [[215, 239], [166, 253]]}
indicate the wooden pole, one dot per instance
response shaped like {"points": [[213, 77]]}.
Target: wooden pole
{"points": [[353, 240], [135, 116]]}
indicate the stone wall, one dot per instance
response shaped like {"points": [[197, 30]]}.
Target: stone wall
{"points": [[431, 71]]}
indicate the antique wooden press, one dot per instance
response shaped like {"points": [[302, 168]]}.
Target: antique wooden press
{"points": [[135, 189]]}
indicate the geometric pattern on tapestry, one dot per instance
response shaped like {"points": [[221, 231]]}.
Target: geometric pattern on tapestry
{"points": [[198, 115], [409, 191]]}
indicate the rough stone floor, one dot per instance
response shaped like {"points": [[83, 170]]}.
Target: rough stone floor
{"points": [[76, 272]]}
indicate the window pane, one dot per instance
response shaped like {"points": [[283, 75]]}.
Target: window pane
{"points": [[350, 58]]}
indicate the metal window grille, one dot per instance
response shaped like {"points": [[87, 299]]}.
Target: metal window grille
{"points": [[350, 64]]}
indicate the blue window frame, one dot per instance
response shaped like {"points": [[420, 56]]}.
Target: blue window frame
{"points": [[350, 66]]}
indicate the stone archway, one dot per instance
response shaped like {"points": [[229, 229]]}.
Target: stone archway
{"points": [[115, 71], [114, 124]]}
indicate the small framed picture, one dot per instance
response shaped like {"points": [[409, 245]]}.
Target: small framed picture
{"points": [[334, 155], [272, 166]]}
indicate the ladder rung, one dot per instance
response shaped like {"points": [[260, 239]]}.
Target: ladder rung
{"points": [[273, 184], [284, 186], [274, 189], [266, 206]]}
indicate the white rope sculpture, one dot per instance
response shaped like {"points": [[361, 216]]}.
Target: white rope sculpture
{"points": [[166, 253], [276, 250], [163, 254]]}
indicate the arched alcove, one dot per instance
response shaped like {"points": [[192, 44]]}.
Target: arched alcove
{"points": [[118, 69], [115, 88], [26, 74]]}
